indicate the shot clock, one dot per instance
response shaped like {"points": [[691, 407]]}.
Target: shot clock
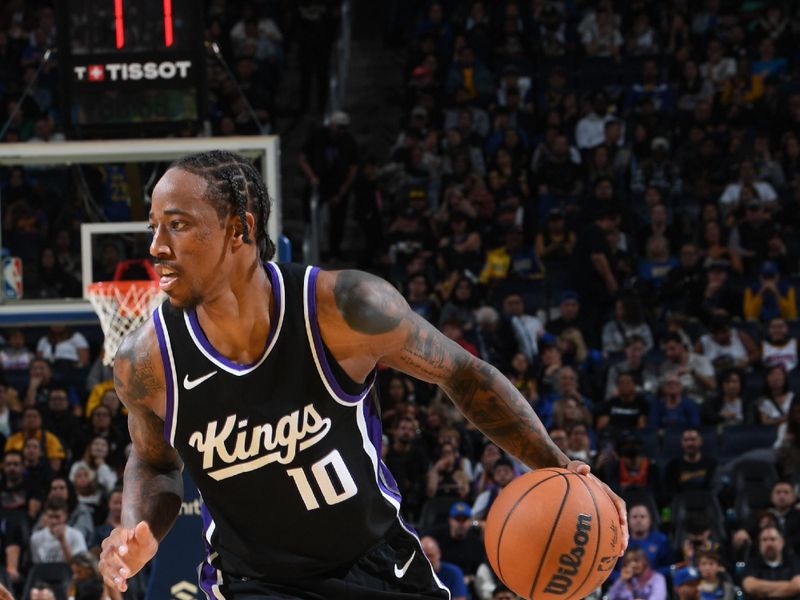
{"points": [[128, 63]]}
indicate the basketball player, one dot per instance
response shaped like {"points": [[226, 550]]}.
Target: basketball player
{"points": [[256, 377]]}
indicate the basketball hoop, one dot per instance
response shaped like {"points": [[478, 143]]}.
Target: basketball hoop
{"points": [[124, 305]]}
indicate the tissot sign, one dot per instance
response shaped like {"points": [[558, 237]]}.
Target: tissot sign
{"points": [[134, 71], [125, 64]]}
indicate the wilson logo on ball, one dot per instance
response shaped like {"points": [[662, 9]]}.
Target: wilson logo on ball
{"points": [[561, 581]]}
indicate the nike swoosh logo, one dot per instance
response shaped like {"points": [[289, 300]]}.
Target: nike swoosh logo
{"points": [[400, 573], [193, 383]]}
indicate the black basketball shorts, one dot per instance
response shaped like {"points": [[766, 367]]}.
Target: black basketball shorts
{"points": [[393, 569]]}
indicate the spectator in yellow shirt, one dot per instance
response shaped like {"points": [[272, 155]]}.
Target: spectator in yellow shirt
{"points": [[770, 297], [512, 260], [32, 428]]}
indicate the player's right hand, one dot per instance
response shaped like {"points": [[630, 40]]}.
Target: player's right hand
{"points": [[125, 552]]}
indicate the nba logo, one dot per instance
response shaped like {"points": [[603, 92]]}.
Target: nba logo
{"points": [[12, 277]]}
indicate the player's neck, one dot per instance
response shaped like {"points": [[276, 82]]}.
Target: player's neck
{"points": [[238, 320], [246, 296]]}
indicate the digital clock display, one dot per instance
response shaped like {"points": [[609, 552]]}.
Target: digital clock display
{"points": [[126, 63], [129, 25]]}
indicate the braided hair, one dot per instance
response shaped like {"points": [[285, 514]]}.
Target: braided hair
{"points": [[233, 184]]}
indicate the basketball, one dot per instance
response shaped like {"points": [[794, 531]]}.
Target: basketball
{"points": [[552, 533]]}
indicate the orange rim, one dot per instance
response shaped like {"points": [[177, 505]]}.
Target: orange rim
{"points": [[128, 307], [106, 288]]}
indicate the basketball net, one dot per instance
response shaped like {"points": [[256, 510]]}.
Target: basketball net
{"points": [[123, 306]]}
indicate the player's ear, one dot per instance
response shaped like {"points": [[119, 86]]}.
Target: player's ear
{"points": [[236, 230], [251, 224]]}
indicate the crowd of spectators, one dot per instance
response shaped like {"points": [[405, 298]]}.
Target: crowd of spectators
{"points": [[601, 199], [65, 440]]}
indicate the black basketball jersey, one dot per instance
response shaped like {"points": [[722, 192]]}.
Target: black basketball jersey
{"points": [[286, 460]]}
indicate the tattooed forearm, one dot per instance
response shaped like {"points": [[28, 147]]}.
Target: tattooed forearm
{"points": [[497, 408], [425, 353], [480, 391], [152, 485], [372, 307], [368, 304], [151, 495]]}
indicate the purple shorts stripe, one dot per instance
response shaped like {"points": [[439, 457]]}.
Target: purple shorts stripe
{"points": [[162, 346], [208, 573], [208, 578]]}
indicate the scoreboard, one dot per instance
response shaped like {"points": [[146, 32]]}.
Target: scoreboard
{"points": [[125, 64]]}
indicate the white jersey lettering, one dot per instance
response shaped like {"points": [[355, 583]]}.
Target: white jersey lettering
{"points": [[260, 445]]}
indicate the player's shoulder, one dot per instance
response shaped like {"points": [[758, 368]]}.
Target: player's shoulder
{"points": [[348, 280], [139, 345], [138, 371], [367, 304]]}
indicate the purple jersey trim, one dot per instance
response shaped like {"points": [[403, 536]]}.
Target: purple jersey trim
{"points": [[320, 348], [386, 481], [201, 335], [162, 346], [208, 579], [208, 573]]}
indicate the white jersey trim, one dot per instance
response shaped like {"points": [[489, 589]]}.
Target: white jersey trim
{"points": [[244, 370], [175, 389], [315, 356]]}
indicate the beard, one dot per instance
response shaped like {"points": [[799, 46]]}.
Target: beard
{"points": [[193, 301], [771, 554]]}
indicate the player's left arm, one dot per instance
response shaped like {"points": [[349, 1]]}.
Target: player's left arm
{"points": [[381, 323]]}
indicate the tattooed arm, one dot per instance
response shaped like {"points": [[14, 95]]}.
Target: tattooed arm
{"points": [[382, 325], [374, 323], [153, 485]]}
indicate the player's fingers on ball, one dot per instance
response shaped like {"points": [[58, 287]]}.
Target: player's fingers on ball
{"points": [[578, 467]]}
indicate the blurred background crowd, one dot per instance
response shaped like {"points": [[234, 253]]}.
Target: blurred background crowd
{"points": [[601, 199]]}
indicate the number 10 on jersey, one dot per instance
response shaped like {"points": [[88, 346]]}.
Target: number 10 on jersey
{"points": [[321, 474]]}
